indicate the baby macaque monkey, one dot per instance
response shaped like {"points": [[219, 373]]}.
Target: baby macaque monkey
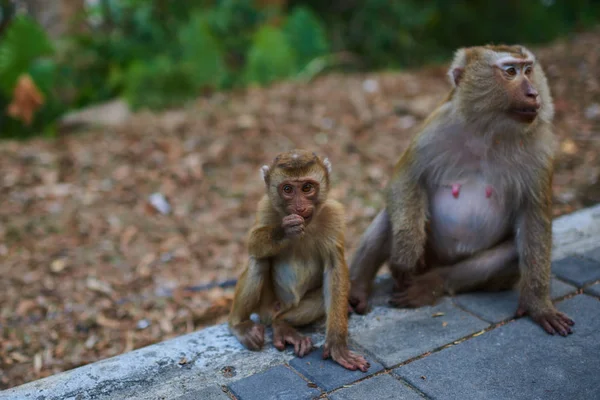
{"points": [[296, 272], [471, 197]]}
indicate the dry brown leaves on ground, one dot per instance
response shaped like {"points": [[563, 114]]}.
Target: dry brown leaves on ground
{"points": [[90, 266]]}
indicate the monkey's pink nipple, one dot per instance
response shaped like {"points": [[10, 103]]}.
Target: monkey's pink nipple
{"points": [[488, 191], [456, 190]]}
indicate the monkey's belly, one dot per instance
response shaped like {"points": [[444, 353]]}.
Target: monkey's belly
{"points": [[292, 279], [465, 219]]}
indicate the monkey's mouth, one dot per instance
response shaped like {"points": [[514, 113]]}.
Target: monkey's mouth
{"points": [[525, 114]]}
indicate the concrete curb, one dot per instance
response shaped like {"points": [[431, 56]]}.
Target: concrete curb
{"points": [[211, 356]]}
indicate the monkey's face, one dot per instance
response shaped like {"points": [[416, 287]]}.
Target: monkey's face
{"points": [[496, 82], [297, 183], [516, 78], [299, 196]]}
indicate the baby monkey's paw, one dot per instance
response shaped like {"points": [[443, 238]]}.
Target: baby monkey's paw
{"points": [[250, 334], [284, 334], [346, 358]]}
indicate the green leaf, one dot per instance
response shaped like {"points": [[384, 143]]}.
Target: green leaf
{"points": [[270, 58], [23, 42], [306, 35], [43, 73], [201, 53], [158, 83]]}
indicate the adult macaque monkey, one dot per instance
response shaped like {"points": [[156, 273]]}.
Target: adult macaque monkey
{"points": [[471, 195], [297, 272]]}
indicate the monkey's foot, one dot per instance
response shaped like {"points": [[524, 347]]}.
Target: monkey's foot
{"points": [[346, 358], [284, 334], [250, 334], [423, 290], [553, 321], [359, 299]]}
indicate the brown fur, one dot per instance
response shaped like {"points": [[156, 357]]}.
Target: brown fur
{"points": [[480, 137], [297, 271]]}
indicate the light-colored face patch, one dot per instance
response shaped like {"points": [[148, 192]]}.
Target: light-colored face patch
{"points": [[503, 59]]}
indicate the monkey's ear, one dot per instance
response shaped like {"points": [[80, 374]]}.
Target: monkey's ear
{"points": [[456, 75], [327, 165], [458, 66], [264, 172]]}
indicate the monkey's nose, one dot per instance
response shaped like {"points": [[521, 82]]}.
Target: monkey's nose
{"points": [[532, 93]]}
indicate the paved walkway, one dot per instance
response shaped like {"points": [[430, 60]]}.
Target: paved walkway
{"points": [[466, 347]]}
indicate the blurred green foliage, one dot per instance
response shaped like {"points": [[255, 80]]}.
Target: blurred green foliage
{"points": [[160, 53]]}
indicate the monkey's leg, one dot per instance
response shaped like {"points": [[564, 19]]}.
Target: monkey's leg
{"points": [[493, 269], [372, 252], [246, 300], [310, 309]]}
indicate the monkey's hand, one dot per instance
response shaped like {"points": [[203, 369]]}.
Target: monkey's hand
{"points": [[250, 334], [346, 358], [358, 298], [284, 334], [552, 320], [422, 290], [293, 226]]}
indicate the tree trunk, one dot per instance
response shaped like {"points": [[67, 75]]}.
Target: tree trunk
{"points": [[58, 17]]}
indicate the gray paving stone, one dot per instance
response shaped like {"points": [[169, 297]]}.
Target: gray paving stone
{"points": [[593, 254], [382, 387], [577, 270], [209, 393], [328, 374], [397, 335], [517, 361], [499, 306], [594, 290], [279, 383]]}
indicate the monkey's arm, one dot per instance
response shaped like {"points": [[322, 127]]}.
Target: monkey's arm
{"points": [[267, 237], [267, 241], [336, 287], [406, 203], [248, 291], [534, 243]]}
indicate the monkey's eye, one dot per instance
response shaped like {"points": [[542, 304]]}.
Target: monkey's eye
{"points": [[510, 70], [307, 187], [528, 70], [288, 189]]}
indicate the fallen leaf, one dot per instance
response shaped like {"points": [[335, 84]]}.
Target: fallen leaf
{"points": [[25, 307], [18, 357], [99, 286], [106, 322], [568, 146], [438, 314], [27, 99], [37, 363], [58, 265]]}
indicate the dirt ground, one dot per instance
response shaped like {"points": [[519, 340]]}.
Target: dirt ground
{"points": [[90, 269]]}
